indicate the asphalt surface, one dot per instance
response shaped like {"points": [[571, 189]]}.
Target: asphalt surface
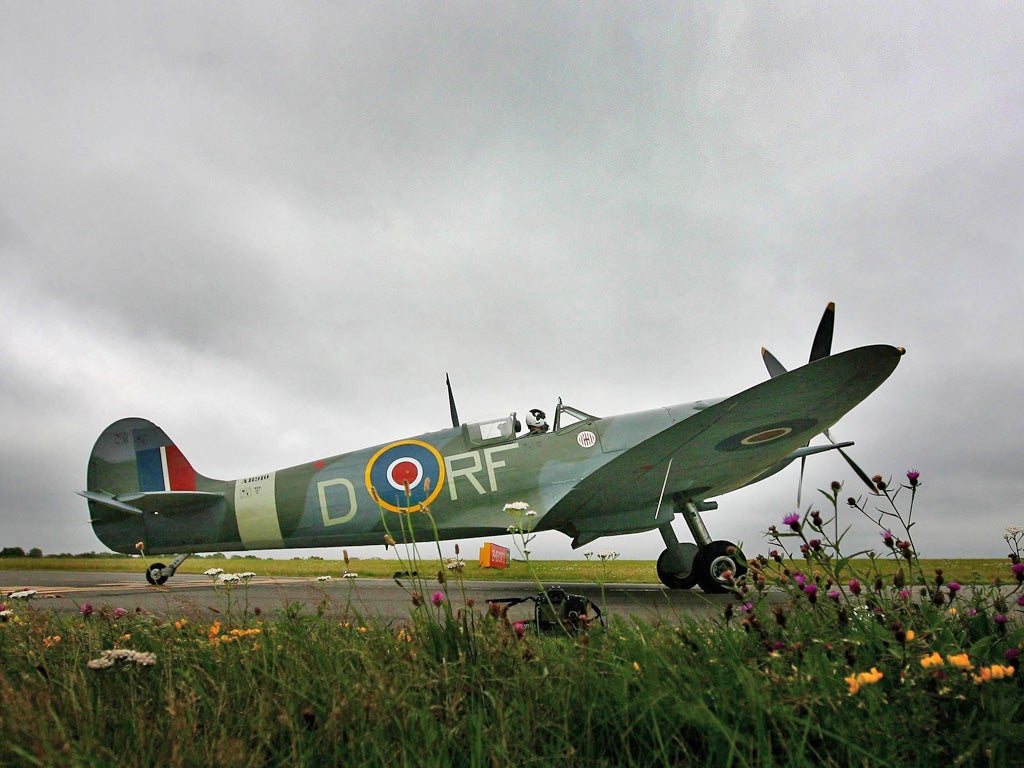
{"points": [[194, 596]]}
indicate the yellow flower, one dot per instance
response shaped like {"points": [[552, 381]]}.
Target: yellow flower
{"points": [[934, 660], [995, 672], [51, 641], [961, 660], [863, 678], [636, 666], [910, 635]]}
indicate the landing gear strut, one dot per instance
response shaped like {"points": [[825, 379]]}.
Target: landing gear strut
{"points": [[158, 573], [711, 564]]}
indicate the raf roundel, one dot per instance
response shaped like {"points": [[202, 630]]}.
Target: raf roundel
{"points": [[769, 433], [405, 474]]}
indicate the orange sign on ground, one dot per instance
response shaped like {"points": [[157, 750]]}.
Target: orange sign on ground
{"points": [[493, 556]]}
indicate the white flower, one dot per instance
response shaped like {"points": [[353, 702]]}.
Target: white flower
{"points": [[229, 578], [517, 506], [109, 658], [350, 575], [23, 594], [324, 578], [213, 572], [246, 575], [530, 513]]}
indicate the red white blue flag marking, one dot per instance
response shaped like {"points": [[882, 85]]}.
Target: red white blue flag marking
{"points": [[405, 475]]}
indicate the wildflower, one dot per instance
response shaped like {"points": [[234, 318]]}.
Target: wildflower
{"points": [[86, 609], [995, 672], [213, 572], [437, 598], [834, 594], [910, 635], [932, 660], [792, 520], [1018, 571], [139, 545], [636, 666], [878, 481], [516, 506], [854, 585], [324, 578], [349, 574], [887, 538], [51, 641], [961, 660], [22, 594], [912, 477], [120, 613], [389, 540], [815, 544], [811, 590], [863, 678], [417, 599], [851, 501], [520, 628], [107, 659]]}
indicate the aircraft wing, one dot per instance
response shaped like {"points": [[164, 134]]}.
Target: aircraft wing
{"points": [[732, 442]]}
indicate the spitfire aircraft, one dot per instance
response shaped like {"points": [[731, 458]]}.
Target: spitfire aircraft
{"points": [[589, 476]]}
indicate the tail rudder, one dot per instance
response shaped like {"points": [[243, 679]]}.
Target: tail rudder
{"points": [[135, 455]]}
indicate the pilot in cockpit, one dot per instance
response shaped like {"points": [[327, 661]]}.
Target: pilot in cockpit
{"points": [[536, 422]]}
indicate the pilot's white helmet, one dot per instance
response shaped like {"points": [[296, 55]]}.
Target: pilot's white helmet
{"points": [[536, 418]]}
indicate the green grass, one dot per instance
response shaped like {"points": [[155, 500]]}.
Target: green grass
{"points": [[453, 686], [548, 571]]}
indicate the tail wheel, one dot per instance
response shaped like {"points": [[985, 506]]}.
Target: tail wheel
{"points": [[671, 579], [717, 564], [155, 574]]}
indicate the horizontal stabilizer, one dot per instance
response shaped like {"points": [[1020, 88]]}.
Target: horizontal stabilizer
{"points": [[158, 502]]}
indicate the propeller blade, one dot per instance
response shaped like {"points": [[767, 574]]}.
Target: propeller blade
{"points": [[822, 344], [775, 368], [451, 401], [800, 485], [858, 471]]}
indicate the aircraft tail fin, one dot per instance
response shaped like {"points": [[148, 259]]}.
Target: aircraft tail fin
{"points": [[135, 469], [136, 456]]}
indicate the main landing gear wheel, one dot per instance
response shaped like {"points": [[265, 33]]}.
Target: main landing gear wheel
{"points": [[717, 564], [669, 573], [154, 574]]}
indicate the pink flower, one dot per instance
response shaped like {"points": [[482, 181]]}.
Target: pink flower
{"points": [[854, 586], [120, 613], [793, 521], [520, 628], [437, 598], [912, 477], [86, 609]]}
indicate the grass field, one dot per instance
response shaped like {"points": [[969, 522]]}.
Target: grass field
{"points": [[562, 571]]}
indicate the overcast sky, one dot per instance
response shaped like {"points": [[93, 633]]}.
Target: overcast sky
{"points": [[271, 228]]}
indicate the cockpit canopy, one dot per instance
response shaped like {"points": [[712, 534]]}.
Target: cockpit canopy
{"points": [[503, 430]]}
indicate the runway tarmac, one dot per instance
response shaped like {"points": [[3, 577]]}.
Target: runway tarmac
{"points": [[197, 596]]}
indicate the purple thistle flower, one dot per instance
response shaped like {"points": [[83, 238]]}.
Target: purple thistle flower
{"points": [[854, 586], [834, 594], [1011, 654], [1020, 601], [999, 619], [912, 476], [811, 589], [120, 613], [86, 609], [953, 587], [437, 598], [800, 579], [887, 537], [519, 628], [793, 521]]}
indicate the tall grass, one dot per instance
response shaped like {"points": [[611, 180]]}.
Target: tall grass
{"points": [[884, 677]]}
